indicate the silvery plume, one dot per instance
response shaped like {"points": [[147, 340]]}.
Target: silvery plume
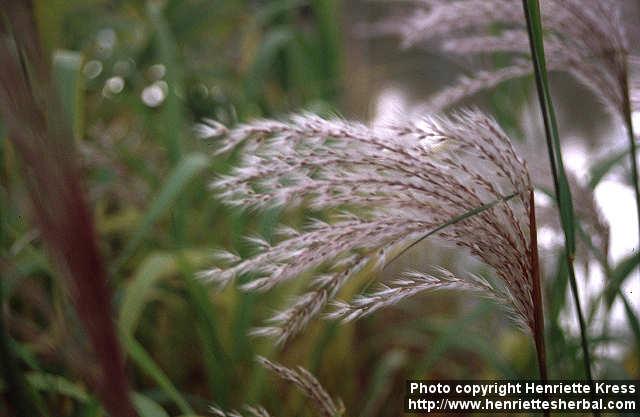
{"points": [[382, 189], [583, 37]]}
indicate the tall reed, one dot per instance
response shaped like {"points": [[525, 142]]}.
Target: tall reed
{"points": [[561, 184]]}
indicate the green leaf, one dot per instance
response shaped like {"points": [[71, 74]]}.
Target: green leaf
{"points": [[448, 337], [217, 361], [188, 168], [619, 274], [147, 407], [558, 291], [269, 11], [24, 399], [168, 55], [67, 74], [57, 384], [153, 268], [274, 42], [633, 320], [561, 184], [140, 356], [382, 381], [602, 167]]}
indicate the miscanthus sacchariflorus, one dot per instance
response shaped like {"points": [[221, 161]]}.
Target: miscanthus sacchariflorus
{"points": [[583, 37], [384, 188]]}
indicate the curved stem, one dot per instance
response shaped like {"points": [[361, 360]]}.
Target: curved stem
{"points": [[538, 316]]}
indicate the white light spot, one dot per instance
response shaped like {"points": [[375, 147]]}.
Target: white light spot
{"points": [[618, 205], [114, 85], [635, 120], [575, 157], [153, 95], [543, 200], [391, 105], [549, 238]]}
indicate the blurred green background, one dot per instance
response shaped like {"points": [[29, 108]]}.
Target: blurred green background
{"points": [[135, 76]]}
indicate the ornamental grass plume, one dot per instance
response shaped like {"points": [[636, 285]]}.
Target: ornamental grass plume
{"points": [[308, 385], [250, 411], [383, 189], [583, 37], [300, 378]]}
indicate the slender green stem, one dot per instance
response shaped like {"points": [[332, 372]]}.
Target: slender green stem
{"points": [[583, 326], [562, 190]]}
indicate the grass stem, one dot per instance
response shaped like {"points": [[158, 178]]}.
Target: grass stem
{"points": [[537, 294], [562, 190]]}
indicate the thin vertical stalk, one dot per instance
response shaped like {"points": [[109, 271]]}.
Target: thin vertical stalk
{"points": [[562, 190], [42, 138], [538, 315]]}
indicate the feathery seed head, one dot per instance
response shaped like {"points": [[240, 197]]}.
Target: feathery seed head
{"points": [[307, 384], [257, 411], [583, 37], [457, 177]]}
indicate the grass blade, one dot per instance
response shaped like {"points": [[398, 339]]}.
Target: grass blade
{"points": [[146, 407], [59, 385], [19, 397], [67, 66], [136, 293], [147, 364], [171, 111], [182, 174], [618, 275], [603, 167], [633, 320], [561, 184], [158, 267], [216, 359]]}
